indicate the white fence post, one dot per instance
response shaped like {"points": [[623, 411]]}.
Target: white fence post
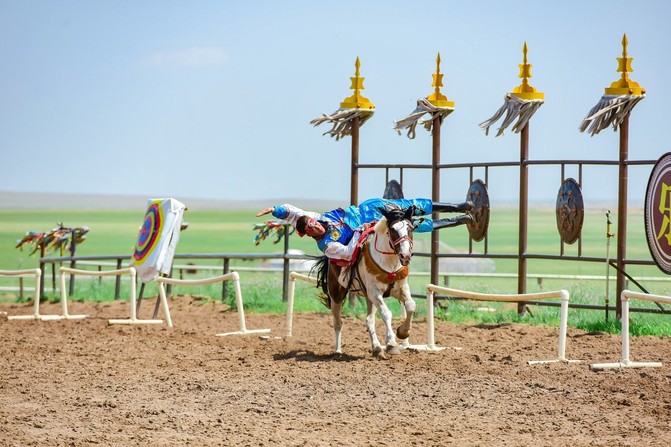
{"points": [[37, 273], [510, 298], [625, 362]]}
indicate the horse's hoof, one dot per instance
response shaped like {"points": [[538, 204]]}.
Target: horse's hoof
{"points": [[401, 335], [393, 350], [377, 351]]}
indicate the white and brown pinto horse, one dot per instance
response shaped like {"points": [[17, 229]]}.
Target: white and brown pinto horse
{"points": [[380, 270]]}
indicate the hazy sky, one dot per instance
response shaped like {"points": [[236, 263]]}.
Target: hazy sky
{"points": [[213, 99]]}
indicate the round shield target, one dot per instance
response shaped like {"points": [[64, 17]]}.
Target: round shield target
{"points": [[477, 193], [570, 211], [658, 213]]}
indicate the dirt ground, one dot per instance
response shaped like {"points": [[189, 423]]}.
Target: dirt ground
{"points": [[85, 383]]}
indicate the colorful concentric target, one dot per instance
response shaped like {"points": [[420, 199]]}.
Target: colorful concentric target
{"points": [[149, 233], [658, 213]]}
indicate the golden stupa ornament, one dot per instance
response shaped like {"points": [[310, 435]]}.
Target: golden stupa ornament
{"points": [[436, 104], [618, 100], [525, 90], [357, 101], [624, 86], [520, 104], [436, 98], [355, 106]]}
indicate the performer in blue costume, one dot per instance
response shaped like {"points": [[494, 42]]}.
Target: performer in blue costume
{"points": [[337, 231]]}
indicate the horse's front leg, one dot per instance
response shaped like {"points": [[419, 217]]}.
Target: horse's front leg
{"points": [[405, 298], [336, 311], [370, 324], [385, 313]]}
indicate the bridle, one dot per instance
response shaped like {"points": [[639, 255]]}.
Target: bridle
{"points": [[394, 243]]}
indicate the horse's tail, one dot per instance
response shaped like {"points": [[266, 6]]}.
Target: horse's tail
{"points": [[354, 271], [321, 270]]}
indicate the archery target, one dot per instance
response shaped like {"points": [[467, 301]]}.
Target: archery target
{"points": [[149, 232], [158, 238]]}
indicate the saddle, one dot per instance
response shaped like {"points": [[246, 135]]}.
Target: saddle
{"points": [[357, 250]]}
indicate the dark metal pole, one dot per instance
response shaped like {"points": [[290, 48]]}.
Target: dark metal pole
{"points": [[523, 209], [354, 186], [53, 278], [224, 284], [435, 196], [117, 283], [44, 272], [71, 290], [622, 213]]}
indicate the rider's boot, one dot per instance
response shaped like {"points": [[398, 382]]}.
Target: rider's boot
{"points": [[440, 207], [452, 221]]}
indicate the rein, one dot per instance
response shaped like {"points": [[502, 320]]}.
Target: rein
{"points": [[392, 243]]}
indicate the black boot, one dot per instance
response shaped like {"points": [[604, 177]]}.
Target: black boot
{"points": [[440, 207], [452, 221]]}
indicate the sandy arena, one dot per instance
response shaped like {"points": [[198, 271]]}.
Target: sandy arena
{"points": [[86, 383]]}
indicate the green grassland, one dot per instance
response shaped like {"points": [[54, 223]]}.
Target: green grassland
{"points": [[115, 232], [231, 231]]}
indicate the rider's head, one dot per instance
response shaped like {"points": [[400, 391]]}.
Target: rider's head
{"points": [[311, 227]]}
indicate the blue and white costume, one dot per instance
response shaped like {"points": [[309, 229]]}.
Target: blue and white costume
{"points": [[343, 226], [369, 211]]}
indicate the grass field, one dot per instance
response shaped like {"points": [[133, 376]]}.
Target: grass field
{"points": [[115, 232]]}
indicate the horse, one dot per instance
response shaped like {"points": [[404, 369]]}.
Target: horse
{"points": [[381, 270]]}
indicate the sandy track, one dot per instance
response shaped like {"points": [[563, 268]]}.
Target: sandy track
{"points": [[84, 383]]}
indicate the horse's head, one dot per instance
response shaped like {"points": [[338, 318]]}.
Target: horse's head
{"points": [[396, 224]]}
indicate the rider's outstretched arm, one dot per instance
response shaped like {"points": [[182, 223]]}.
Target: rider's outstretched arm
{"points": [[289, 213]]}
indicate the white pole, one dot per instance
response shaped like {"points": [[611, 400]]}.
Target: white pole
{"points": [[38, 297], [235, 277], [37, 273], [133, 298], [64, 297], [164, 301], [238, 302], [625, 362], [431, 343], [563, 322], [290, 304], [625, 329], [509, 298]]}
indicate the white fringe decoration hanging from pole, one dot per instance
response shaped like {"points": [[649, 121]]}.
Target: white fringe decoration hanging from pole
{"points": [[514, 108], [423, 106], [342, 121], [610, 110]]}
